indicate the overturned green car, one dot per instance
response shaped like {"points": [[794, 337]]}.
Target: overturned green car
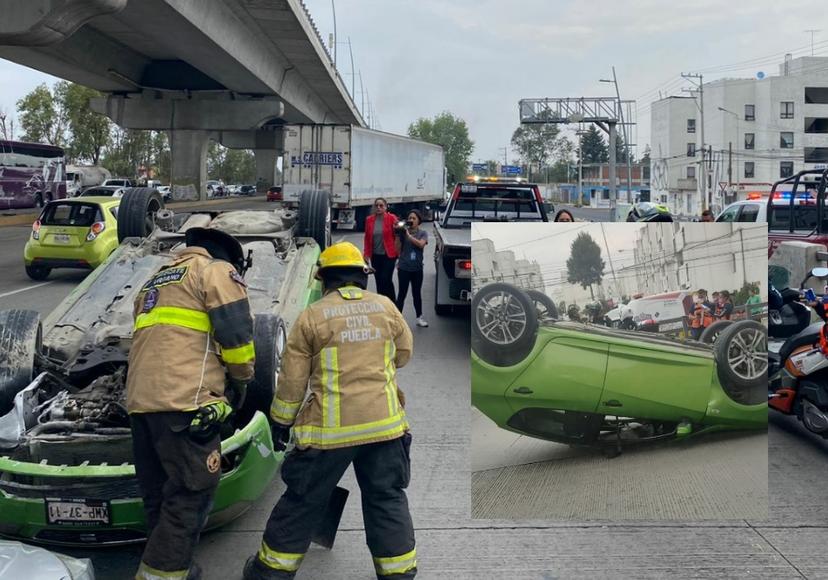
{"points": [[66, 473], [582, 384]]}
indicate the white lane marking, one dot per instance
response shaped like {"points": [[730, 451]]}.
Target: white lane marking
{"points": [[25, 289]]}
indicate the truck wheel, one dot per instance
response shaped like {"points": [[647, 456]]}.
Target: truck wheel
{"points": [[20, 341], [504, 324], [360, 215], [315, 217], [136, 213], [712, 332], [741, 352], [269, 339], [543, 304]]}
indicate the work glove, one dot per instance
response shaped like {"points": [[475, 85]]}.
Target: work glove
{"points": [[236, 392], [280, 435], [208, 419]]}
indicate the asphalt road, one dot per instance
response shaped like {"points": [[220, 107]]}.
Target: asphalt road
{"points": [[790, 544], [712, 477]]}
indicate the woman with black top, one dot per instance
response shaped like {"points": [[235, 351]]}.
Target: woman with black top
{"points": [[410, 241]]}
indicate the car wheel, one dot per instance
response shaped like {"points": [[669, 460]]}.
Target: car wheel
{"points": [[315, 217], [712, 332], [136, 213], [38, 272], [543, 304], [269, 339], [504, 324], [38, 199], [741, 352], [20, 340]]}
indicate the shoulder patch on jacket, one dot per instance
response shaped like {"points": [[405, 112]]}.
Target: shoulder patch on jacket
{"points": [[174, 275]]}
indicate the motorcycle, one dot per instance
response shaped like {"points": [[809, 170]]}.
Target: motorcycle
{"points": [[798, 357]]}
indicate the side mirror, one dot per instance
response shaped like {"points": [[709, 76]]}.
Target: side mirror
{"points": [[821, 273]]}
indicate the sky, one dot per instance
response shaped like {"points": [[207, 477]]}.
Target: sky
{"points": [[549, 244], [478, 58]]}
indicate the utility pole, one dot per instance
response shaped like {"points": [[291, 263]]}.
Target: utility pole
{"points": [[609, 257], [812, 31], [333, 9], [353, 77], [730, 164], [703, 186], [623, 133], [362, 94], [505, 154]]}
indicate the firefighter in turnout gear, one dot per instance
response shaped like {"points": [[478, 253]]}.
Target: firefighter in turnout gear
{"points": [[346, 348], [191, 358]]}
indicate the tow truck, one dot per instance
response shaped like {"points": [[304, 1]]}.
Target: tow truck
{"points": [[478, 199], [796, 209]]}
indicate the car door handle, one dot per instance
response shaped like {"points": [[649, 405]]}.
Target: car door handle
{"points": [[612, 403], [523, 391]]}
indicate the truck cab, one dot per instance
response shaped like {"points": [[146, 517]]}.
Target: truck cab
{"points": [[796, 209], [478, 199]]}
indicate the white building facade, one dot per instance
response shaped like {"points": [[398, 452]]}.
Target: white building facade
{"points": [[756, 131], [490, 266]]}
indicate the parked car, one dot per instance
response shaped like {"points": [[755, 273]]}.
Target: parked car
{"points": [[747, 210], [165, 191], [120, 182], [104, 191], [80, 232], [215, 188], [246, 190], [231, 189], [275, 193], [66, 472], [585, 384]]}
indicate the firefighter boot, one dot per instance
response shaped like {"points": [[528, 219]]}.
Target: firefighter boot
{"points": [[255, 570]]}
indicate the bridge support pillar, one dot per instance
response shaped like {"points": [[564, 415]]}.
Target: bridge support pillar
{"points": [[265, 168], [189, 163], [191, 123]]}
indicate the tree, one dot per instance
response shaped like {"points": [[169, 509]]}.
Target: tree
{"points": [[231, 165], [593, 147], [584, 265], [89, 133], [452, 134], [621, 150], [6, 126], [535, 143], [42, 117]]}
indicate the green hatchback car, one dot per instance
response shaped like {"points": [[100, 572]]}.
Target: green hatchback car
{"points": [[72, 233], [66, 472], [583, 384]]}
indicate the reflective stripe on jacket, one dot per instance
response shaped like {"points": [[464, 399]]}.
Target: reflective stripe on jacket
{"points": [[192, 327], [346, 348]]}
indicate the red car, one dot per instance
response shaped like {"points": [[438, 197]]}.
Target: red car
{"points": [[274, 194]]}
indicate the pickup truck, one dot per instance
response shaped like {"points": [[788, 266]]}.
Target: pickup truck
{"points": [[476, 200]]}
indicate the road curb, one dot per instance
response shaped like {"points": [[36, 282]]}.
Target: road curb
{"points": [[25, 219]]}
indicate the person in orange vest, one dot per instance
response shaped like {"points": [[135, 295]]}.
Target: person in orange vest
{"points": [[702, 315]]}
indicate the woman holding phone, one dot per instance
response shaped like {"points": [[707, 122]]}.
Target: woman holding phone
{"points": [[410, 241]]}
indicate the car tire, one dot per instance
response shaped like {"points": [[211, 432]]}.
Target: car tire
{"points": [[269, 340], [543, 304], [745, 378], [712, 332], [315, 217], [21, 338], [38, 272], [508, 341], [38, 199], [136, 213]]}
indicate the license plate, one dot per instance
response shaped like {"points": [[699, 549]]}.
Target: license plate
{"points": [[62, 238], [77, 512]]}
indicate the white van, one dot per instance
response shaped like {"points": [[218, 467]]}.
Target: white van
{"points": [[648, 312]]}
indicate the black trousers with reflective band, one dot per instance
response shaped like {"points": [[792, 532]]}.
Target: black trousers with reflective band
{"points": [[383, 471], [384, 275], [178, 478]]}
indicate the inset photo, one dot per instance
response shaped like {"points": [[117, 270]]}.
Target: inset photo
{"points": [[619, 371]]}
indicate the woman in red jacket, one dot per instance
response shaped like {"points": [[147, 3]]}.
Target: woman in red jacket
{"points": [[379, 247]]}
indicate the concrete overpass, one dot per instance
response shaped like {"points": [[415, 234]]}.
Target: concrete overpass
{"points": [[230, 70]]}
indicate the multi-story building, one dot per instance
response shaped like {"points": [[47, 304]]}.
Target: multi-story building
{"points": [[756, 131], [680, 256], [489, 265]]}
